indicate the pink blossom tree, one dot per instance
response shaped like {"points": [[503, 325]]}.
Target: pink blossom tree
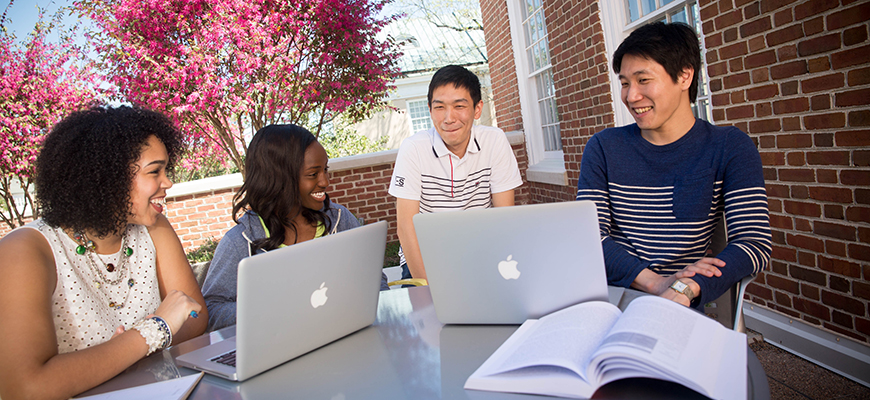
{"points": [[226, 68], [40, 83]]}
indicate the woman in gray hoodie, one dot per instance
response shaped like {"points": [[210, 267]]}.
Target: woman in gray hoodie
{"points": [[282, 202]]}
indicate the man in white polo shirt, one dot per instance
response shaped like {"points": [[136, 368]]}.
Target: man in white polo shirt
{"points": [[453, 166]]}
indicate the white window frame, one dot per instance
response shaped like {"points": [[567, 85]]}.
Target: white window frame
{"points": [[544, 166], [614, 18], [425, 101]]}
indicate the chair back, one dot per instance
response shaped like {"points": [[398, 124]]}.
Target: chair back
{"points": [[728, 308], [200, 270]]}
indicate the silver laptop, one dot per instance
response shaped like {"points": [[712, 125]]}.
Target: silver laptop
{"points": [[505, 265], [298, 298]]}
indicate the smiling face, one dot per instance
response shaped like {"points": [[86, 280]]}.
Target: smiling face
{"points": [[660, 106], [314, 178], [148, 190], [453, 113]]}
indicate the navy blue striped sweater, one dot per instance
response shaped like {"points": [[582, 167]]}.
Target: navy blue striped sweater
{"points": [[659, 205]]}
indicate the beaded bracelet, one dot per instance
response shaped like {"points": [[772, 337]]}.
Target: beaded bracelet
{"points": [[150, 331], [167, 333], [156, 333]]}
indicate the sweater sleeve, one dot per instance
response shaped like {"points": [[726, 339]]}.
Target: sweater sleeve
{"points": [[622, 267], [220, 286], [747, 221]]}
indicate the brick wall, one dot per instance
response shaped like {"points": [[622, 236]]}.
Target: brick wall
{"points": [[795, 75], [364, 192]]}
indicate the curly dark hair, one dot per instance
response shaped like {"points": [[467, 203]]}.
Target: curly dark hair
{"points": [[84, 172], [273, 165]]}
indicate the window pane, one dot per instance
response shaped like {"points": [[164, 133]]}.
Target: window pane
{"points": [[648, 6], [633, 11], [548, 84], [557, 137], [529, 8], [702, 82], [545, 53], [419, 113], [555, 110], [680, 16], [701, 110], [533, 30]]}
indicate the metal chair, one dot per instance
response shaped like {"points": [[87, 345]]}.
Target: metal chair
{"points": [[728, 308], [200, 270]]}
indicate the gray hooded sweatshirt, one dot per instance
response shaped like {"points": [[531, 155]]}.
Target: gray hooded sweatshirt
{"points": [[220, 286]]}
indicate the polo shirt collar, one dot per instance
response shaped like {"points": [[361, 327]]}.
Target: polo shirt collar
{"points": [[440, 149]]}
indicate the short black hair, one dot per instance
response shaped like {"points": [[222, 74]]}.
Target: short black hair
{"points": [[459, 77], [675, 46], [84, 171], [273, 166]]}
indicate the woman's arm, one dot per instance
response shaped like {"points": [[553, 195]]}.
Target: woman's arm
{"points": [[30, 366], [174, 274]]}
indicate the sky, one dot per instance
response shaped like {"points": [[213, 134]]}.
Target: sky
{"points": [[23, 14]]}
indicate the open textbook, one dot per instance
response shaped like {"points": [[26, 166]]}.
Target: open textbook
{"points": [[574, 351]]}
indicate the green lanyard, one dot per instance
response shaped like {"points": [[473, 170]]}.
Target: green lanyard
{"points": [[320, 230]]}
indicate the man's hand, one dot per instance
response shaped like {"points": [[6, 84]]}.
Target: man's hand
{"points": [[659, 285], [707, 266], [653, 283]]}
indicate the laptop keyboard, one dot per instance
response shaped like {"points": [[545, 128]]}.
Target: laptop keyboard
{"points": [[228, 358]]}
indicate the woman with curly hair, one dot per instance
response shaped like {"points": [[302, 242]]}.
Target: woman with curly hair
{"points": [[101, 279], [282, 202]]}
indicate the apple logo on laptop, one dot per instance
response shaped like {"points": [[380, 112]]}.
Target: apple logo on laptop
{"points": [[508, 268], [318, 298]]}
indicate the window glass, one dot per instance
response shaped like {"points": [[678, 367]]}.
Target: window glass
{"points": [[419, 112], [538, 55]]}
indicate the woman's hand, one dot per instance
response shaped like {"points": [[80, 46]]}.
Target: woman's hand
{"points": [[176, 308]]}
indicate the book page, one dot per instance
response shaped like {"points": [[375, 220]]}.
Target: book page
{"points": [[658, 338], [178, 388], [566, 339]]}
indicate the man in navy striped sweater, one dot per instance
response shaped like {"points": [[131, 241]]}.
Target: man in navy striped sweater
{"points": [[662, 184]]}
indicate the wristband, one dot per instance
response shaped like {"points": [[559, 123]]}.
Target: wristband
{"points": [[156, 333]]}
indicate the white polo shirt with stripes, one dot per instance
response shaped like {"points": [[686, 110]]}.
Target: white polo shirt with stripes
{"points": [[426, 171]]}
